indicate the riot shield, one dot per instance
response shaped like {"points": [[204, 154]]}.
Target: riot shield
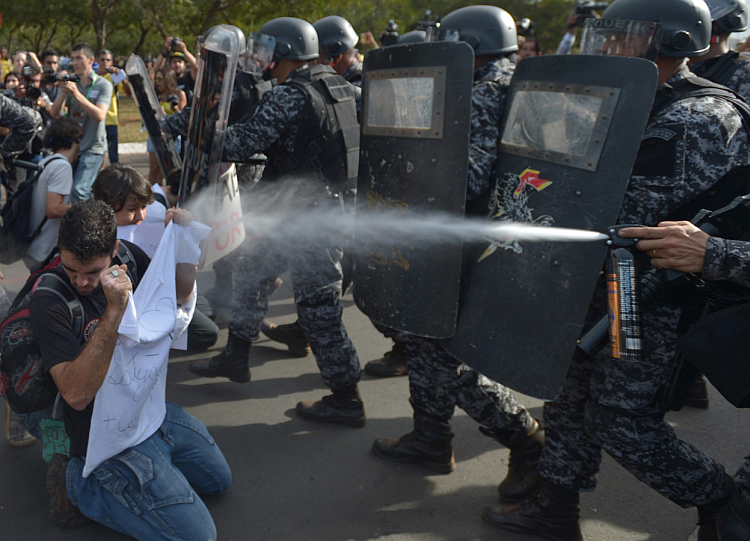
{"points": [[209, 188], [415, 126], [153, 118], [571, 130]]}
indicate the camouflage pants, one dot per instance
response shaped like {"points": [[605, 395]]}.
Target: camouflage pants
{"points": [[742, 478], [316, 276], [439, 382], [615, 405]]}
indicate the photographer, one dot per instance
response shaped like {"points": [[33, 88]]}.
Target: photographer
{"points": [[173, 100], [106, 70], [29, 92], [583, 10], [179, 58], [87, 101], [50, 65]]}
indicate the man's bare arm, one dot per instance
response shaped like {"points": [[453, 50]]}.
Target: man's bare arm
{"points": [[80, 379]]}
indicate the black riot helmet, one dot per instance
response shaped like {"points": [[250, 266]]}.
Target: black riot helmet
{"points": [[415, 36], [294, 39], [729, 15], [335, 35], [488, 29], [685, 25]]}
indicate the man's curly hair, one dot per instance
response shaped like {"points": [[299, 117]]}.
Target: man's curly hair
{"points": [[62, 133], [88, 230]]}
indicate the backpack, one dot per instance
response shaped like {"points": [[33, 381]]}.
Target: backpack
{"points": [[23, 381], [15, 216]]}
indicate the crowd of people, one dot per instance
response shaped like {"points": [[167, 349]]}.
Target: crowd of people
{"points": [[695, 153]]}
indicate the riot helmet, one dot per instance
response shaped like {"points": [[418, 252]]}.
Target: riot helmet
{"points": [[489, 30], [648, 28], [335, 35], [292, 39], [729, 15], [415, 36]]}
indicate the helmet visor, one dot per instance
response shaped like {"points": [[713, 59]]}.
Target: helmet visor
{"points": [[259, 55], [446, 34], [720, 8], [618, 37]]}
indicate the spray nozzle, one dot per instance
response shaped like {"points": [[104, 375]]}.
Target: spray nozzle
{"points": [[616, 241]]}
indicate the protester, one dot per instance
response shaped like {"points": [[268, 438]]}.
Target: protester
{"points": [[52, 191]]}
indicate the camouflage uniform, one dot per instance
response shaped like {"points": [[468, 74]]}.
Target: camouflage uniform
{"points": [[736, 77], [22, 122], [315, 268], [615, 405], [730, 260], [437, 380], [354, 73]]}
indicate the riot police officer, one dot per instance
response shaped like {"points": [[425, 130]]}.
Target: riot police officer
{"points": [[20, 124], [721, 65], [437, 380], [309, 135], [337, 39], [727, 68], [690, 146]]}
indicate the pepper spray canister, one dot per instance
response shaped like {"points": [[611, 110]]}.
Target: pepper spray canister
{"points": [[624, 297]]}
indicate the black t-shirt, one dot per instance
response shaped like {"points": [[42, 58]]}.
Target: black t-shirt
{"points": [[53, 328], [187, 85]]}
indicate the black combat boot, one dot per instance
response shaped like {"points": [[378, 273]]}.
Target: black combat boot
{"points": [[698, 395], [551, 514], [523, 479], [733, 520], [343, 407], [291, 335], [428, 444], [707, 515], [232, 362], [392, 364]]}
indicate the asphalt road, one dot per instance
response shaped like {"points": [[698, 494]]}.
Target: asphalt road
{"points": [[298, 480]]}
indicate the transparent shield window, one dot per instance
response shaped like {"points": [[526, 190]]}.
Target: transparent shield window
{"points": [[401, 103], [560, 125], [618, 37]]}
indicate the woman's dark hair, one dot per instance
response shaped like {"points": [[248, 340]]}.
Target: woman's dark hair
{"points": [[88, 230], [115, 183], [62, 133], [12, 74]]}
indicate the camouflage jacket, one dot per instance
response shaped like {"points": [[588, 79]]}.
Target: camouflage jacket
{"points": [[685, 150], [739, 80], [727, 260], [22, 122], [491, 82]]}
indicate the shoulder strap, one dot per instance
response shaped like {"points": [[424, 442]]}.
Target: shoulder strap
{"points": [[53, 283], [34, 180], [721, 70], [125, 256]]}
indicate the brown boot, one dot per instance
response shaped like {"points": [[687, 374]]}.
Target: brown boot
{"points": [[523, 479], [61, 510], [291, 335], [344, 407], [551, 514], [393, 363], [698, 395], [428, 444]]}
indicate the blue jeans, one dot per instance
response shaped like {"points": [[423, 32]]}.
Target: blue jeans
{"points": [[114, 157], [85, 171], [150, 491]]}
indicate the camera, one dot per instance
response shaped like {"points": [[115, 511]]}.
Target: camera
{"points": [[33, 93], [173, 100], [26, 71], [390, 36], [50, 77], [175, 43], [585, 10], [525, 27], [68, 77]]}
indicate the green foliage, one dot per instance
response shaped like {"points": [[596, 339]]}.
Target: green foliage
{"points": [[141, 26]]}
